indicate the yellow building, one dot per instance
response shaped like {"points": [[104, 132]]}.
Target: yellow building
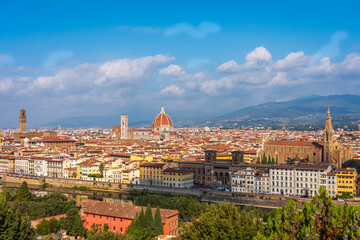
{"points": [[78, 171], [250, 156], [151, 174], [346, 181], [178, 178]]}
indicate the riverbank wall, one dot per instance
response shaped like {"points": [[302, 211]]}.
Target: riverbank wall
{"points": [[62, 183]]}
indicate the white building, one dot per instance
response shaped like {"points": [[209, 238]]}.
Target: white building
{"points": [[331, 184], [282, 180], [310, 177], [22, 166], [55, 168], [293, 180], [40, 167], [243, 181], [301, 180]]}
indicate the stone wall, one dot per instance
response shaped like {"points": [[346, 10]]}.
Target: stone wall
{"points": [[62, 182]]}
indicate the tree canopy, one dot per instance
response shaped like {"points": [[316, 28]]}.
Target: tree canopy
{"points": [[23, 194], [46, 227], [14, 225], [73, 224], [320, 218], [223, 221]]}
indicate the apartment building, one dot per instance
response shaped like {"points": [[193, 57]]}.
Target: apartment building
{"points": [[295, 180], [178, 178], [41, 166], [346, 181], [151, 174], [242, 181], [22, 165]]}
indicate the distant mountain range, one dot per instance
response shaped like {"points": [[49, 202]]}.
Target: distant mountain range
{"points": [[310, 110]]}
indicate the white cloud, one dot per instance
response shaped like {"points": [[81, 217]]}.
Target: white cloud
{"points": [[279, 79], [230, 66], [258, 56], [6, 85], [124, 72], [173, 90], [200, 31], [119, 73], [172, 71], [293, 60], [77, 79]]}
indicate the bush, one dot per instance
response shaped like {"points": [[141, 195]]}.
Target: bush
{"points": [[45, 185], [82, 188], [95, 175]]}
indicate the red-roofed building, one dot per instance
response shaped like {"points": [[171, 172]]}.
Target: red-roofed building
{"points": [[119, 216]]}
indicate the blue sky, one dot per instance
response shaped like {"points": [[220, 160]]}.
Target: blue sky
{"points": [[77, 58]]}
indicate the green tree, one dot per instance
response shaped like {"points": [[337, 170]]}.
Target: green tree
{"points": [[149, 220], [140, 227], [263, 160], [158, 222], [106, 227], [102, 235], [23, 194], [319, 219], [223, 221], [73, 224], [46, 227], [101, 169], [14, 225]]}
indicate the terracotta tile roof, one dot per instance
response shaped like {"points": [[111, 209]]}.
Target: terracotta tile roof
{"points": [[291, 143], [48, 218], [311, 166], [174, 170], [152, 165], [122, 210]]}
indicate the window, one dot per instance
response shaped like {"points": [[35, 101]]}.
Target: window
{"points": [[114, 228]]}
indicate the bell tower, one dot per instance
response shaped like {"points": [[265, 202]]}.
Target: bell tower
{"points": [[124, 127], [328, 140], [22, 120]]}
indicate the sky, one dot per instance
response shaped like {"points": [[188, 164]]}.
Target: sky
{"points": [[61, 59]]}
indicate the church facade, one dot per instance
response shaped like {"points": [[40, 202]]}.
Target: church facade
{"points": [[162, 129], [327, 151]]}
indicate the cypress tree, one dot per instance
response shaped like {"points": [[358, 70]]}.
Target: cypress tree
{"points": [[142, 218], [263, 159], [23, 194], [73, 224], [158, 222], [149, 220]]}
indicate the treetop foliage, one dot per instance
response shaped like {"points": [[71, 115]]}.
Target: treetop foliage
{"points": [[320, 218]]}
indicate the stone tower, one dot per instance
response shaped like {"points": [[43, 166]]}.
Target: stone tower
{"points": [[22, 120], [124, 127], [237, 157], [210, 156], [328, 140]]}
